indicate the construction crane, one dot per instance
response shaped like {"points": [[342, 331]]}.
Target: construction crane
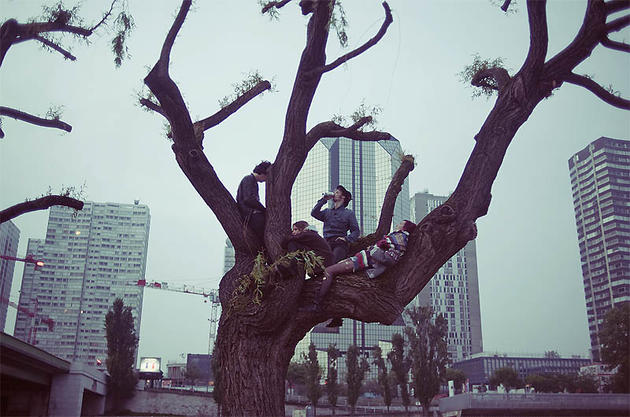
{"points": [[36, 319], [211, 295]]}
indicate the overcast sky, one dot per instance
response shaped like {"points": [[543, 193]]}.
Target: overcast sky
{"points": [[531, 292]]}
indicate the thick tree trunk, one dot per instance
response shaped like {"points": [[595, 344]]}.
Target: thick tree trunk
{"points": [[253, 370]]}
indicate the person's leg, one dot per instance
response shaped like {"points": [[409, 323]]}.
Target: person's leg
{"points": [[257, 224], [339, 249], [343, 267]]}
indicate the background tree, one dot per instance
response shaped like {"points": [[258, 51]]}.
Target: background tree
{"points": [[332, 385], [427, 352], [456, 375], [312, 376], [506, 376], [192, 374], [551, 354], [356, 367], [400, 367], [296, 374], [121, 352], [274, 326], [384, 379], [614, 337], [56, 24], [586, 384]]}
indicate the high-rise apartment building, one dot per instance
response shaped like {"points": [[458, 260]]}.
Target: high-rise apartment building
{"points": [[600, 182], [454, 289], [229, 256], [365, 169], [92, 257], [9, 239]]}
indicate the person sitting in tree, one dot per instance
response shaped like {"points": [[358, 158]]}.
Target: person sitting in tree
{"points": [[303, 238], [374, 260]]}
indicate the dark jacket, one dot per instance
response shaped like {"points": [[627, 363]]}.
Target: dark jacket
{"points": [[247, 197], [310, 240], [337, 221]]}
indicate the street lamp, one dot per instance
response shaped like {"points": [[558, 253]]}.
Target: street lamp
{"points": [[27, 259]]}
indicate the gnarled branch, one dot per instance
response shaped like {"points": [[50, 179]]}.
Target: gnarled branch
{"points": [[500, 76], [616, 6], [34, 120], [618, 46], [331, 129], [389, 201], [367, 45], [234, 106], [42, 203], [598, 90]]}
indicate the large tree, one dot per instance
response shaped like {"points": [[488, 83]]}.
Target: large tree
{"points": [[52, 30], [121, 352], [428, 353], [257, 335]]}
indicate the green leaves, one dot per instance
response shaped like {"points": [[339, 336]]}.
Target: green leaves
{"points": [[489, 85]]}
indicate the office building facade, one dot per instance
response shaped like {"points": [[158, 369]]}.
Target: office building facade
{"points": [[600, 184], [365, 169], [479, 368], [9, 239], [454, 289], [92, 257]]}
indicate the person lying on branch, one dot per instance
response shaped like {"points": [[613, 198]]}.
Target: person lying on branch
{"points": [[374, 260]]}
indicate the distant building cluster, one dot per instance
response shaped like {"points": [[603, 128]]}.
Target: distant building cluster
{"points": [[91, 257]]}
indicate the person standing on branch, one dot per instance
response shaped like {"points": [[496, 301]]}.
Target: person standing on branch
{"points": [[248, 200], [338, 221]]}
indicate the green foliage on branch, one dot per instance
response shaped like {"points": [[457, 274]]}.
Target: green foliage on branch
{"points": [[478, 65]]}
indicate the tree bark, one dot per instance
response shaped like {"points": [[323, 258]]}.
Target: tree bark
{"points": [[42, 203]]}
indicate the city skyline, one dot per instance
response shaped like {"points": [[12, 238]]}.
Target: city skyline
{"points": [[531, 294]]}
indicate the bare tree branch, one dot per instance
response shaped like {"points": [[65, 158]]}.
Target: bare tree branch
{"points": [[498, 74], [538, 36], [152, 106], [234, 106], [370, 43], [506, 5], [618, 46], [42, 203], [34, 120], [172, 34], [616, 6], [105, 17], [618, 24], [598, 90], [331, 129], [389, 201], [272, 4], [56, 47]]}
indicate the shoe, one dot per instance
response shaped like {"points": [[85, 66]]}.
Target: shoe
{"points": [[335, 322]]}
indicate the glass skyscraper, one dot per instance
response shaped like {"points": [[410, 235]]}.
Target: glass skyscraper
{"points": [[9, 239], [365, 169], [600, 183], [454, 289], [91, 257]]}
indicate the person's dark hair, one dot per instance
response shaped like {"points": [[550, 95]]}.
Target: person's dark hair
{"points": [[301, 224], [409, 226], [346, 195], [262, 168]]}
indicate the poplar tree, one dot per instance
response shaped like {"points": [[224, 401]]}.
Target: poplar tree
{"points": [[121, 352], [356, 369]]}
